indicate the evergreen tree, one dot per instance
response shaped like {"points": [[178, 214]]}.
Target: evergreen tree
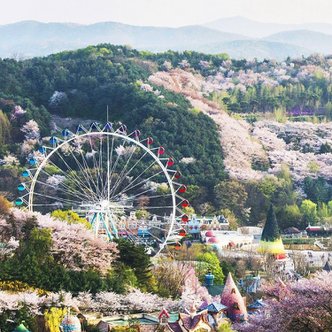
{"points": [[135, 257], [271, 230]]}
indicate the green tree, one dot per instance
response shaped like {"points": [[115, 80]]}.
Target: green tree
{"points": [[210, 262], [121, 278], [268, 186], [232, 195], [230, 216], [317, 190], [309, 211], [135, 257], [70, 217], [257, 203], [31, 260], [271, 230], [290, 216], [329, 206], [325, 148]]}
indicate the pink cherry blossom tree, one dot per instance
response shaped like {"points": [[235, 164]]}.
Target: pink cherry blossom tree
{"points": [[304, 305]]}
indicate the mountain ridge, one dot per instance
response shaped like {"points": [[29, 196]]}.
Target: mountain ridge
{"points": [[26, 39], [257, 29]]}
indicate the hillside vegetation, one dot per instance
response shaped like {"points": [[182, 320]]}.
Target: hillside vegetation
{"points": [[235, 128]]}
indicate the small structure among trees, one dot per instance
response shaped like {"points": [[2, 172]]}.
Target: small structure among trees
{"points": [[233, 300]]}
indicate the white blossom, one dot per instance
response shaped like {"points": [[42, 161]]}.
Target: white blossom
{"points": [[57, 98], [31, 130], [10, 160], [187, 160]]}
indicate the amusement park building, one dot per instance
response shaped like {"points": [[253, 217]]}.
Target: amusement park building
{"points": [[232, 239], [208, 317], [197, 224]]}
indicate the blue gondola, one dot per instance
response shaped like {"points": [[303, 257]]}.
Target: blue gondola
{"points": [[32, 161], [94, 126], [26, 173], [108, 126], [65, 133], [53, 140], [80, 129], [19, 201], [21, 187], [42, 149]]}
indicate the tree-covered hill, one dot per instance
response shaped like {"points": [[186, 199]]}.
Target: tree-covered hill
{"points": [[83, 83], [235, 127]]}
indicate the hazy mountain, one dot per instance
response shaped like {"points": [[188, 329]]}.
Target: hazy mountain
{"points": [[31, 38], [315, 41], [254, 29], [260, 49]]}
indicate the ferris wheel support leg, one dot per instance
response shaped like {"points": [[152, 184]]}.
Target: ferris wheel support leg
{"points": [[111, 225], [106, 226]]}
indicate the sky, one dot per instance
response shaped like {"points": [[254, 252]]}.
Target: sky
{"points": [[164, 12]]}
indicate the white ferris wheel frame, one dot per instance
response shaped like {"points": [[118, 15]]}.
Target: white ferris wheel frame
{"points": [[55, 149]]}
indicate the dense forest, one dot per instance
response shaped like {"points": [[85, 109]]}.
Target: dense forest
{"points": [[82, 84]]}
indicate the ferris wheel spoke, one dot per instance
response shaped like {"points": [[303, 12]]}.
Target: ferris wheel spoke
{"points": [[65, 186], [69, 168], [142, 193], [87, 171], [160, 196], [158, 228], [95, 165], [122, 175], [69, 175], [80, 185], [51, 204], [150, 197], [109, 166], [157, 207], [138, 161], [58, 199], [83, 170], [158, 222], [112, 170], [67, 191], [129, 187], [155, 237], [126, 189], [179, 210], [72, 174], [101, 164]]}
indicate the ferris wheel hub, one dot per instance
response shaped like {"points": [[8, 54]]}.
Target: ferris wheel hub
{"points": [[105, 204]]}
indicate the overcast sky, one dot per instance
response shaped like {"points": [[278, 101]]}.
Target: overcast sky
{"points": [[164, 12]]}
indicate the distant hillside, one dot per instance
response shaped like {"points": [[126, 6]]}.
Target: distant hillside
{"points": [[320, 42], [254, 29], [31, 38], [260, 49]]}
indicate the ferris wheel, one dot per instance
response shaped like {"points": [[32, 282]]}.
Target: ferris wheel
{"points": [[118, 181]]}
